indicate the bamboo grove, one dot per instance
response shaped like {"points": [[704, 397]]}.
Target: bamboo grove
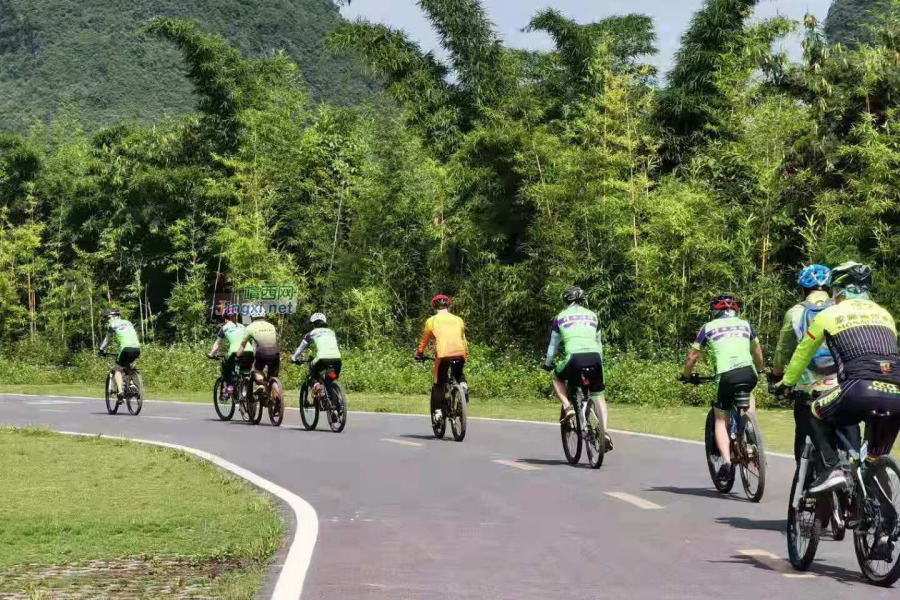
{"points": [[500, 177]]}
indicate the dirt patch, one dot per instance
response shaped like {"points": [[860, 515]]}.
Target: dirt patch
{"points": [[131, 579]]}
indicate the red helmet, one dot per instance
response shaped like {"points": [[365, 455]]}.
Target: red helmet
{"points": [[724, 302], [440, 301]]}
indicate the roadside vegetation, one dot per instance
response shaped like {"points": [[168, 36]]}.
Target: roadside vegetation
{"points": [[84, 517]]}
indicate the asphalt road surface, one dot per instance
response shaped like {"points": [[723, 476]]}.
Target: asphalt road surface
{"points": [[501, 516]]}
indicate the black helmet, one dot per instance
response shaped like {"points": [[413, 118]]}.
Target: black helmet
{"points": [[573, 294], [852, 277], [111, 312]]}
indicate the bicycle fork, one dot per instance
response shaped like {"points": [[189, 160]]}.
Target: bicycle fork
{"points": [[801, 475]]}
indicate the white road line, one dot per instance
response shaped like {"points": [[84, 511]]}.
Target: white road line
{"points": [[401, 442], [52, 402], [52, 410], [639, 502], [517, 465], [774, 562], [293, 572], [167, 418]]}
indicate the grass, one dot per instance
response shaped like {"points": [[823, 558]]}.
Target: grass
{"points": [[685, 422], [112, 516]]}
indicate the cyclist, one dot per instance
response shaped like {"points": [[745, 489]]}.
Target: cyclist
{"points": [[821, 374], [127, 341], [265, 344], [449, 334], [324, 342], [233, 335], [862, 338], [736, 349], [578, 329]]}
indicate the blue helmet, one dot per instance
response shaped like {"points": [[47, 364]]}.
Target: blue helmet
{"points": [[814, 276]]}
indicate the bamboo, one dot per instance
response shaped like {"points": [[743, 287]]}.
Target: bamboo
{"points": [[93, 335]]}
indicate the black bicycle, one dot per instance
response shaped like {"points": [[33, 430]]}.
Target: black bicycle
{"points": [[327, 396], [227, 396], [869, 506], [747, 450], [455, 407], [133, 389], [270, 395], [586, 429]]}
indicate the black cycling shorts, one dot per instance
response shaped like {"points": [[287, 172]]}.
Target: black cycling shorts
{"points": [[571, 371], [448, 365], [127, 356], [854, 401], [318, 367], [272, 361], [731, 383]]}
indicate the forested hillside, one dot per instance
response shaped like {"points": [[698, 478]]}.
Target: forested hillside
{"points": [[93, 56], [851, 21], [522, 174]]}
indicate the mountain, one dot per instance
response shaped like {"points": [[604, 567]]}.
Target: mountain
{"points": [[93, 56], [848, 20]]}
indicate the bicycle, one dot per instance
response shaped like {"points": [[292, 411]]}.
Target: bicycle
{"points": [[588, 426], [269, 396], [227, 397], [866, 507], [455, 406], [132, 384], [746, 442], [328, 396]]}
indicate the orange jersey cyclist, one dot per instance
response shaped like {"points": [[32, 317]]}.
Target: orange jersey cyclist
{"points": [[449, 334]]}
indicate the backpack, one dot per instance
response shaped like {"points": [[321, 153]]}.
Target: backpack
{"points": [[823, 362]]}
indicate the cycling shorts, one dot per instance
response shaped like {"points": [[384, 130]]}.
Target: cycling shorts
{"points": [[318, 367], [854, 401], [272, 361], [731, 383], [127, 356], [444, 367], [570, 371]]}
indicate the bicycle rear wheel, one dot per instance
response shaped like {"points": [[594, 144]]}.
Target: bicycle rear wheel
{"points": [[713, 457], [596, 436], [882, 481], [222, 402], [753, 459], [804, 526], [112, 400], [309, 408], [459, 414], [276, 403], [134, 394], [337, 411], [570, 431]]}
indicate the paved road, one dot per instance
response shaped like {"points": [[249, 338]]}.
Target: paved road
{"points": [[425, 519]]}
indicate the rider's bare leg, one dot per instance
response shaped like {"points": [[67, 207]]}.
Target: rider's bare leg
{"points": [[600, 399], [117, 376], [562, 392], [752, 409], [723, 439]]}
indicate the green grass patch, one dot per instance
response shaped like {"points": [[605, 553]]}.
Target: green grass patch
{"points": [[103, 513]]}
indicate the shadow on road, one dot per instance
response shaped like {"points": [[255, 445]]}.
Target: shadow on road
{"points": [[552, 462], [431, 438], [838, 574], [754, 524], [699, 492]]}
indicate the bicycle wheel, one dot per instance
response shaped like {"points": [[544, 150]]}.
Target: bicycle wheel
{"points": [[134, 396], [804, 526], [596, 436], [337, 412], [882, 481], [112, 401], [309, 408], [713, 457], [571, 438], [223, 403], [459, 414], [753, 458], [276, 403]]}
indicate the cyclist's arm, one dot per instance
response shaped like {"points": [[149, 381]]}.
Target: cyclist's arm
{"points": [[247, 335], [215, 346], [787, 343], [465, 341], [694, 354], [600, 343], [426, 337], [106, 340], [758, 357], [553, 348], [805, 351], [301, 348]]}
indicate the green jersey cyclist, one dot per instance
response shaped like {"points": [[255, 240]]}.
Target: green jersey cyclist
{"points": [[578, 330], [231, 335], [736, 348], [122, 331], [264, 337], [324, 342]]}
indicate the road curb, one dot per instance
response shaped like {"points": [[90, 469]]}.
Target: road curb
{"points": [[293, 572]]}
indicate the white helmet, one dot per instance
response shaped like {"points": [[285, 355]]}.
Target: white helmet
{"points": [[256, 311], [316, 318]]}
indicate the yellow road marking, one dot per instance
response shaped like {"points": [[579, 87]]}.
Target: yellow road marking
{"points": [[776, 563], [636, 501], [517, 465]]}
